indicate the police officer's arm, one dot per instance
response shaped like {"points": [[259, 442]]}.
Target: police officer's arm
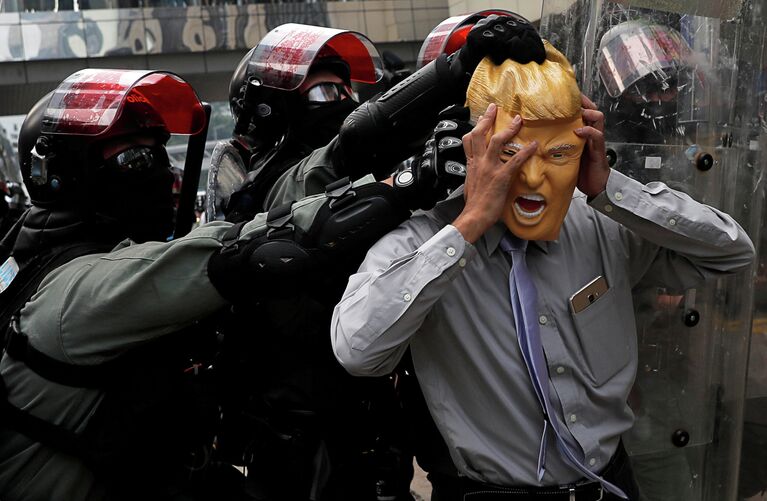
{"points": [[300, 239], [140, 292], [97, 306], [420, 183], [380, 132], [671, 239]]}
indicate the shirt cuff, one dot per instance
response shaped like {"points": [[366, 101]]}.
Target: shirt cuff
{"points": [[447, 248], [621, 192]]}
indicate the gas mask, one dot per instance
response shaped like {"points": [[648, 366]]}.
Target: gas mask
{"points": [[133, 189], [321, 123], [327, 105]]}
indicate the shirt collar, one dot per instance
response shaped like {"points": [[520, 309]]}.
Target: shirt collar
{"points": [[495, 234]]}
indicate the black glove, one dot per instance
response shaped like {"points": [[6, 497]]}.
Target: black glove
{"points": [[441, 168], [501, 38]]}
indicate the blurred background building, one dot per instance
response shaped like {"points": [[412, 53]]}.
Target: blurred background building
{"points": [[44, 41]]}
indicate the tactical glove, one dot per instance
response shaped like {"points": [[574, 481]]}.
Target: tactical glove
{"points": [[441, 167], [501, 38]]}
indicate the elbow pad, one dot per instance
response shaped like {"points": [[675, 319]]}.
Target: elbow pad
{"points": [[304, 243], [384, 131]]}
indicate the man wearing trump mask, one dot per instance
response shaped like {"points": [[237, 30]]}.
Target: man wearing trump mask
{"points": [[549, 100], [514, 294]]}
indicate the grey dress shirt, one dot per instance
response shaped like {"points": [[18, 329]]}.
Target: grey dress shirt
{"points": [[422, 285]]}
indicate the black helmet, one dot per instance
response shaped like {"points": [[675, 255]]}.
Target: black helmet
{"points": [[61, 140], [648, 74], [51, 166], [238, 84], [39, 191], [55, 167], [261, 88], [251, 101]]}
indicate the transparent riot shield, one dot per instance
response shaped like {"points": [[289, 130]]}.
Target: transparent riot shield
{"points": [[678, 82], [226, 175]]}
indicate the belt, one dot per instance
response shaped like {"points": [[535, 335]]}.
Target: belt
{"points": [[453, 488], [474, 491]]}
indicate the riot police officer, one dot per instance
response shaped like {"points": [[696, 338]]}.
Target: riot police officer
{"points": [[643, 94], [101, 394], [282, 116], [84, 415]]}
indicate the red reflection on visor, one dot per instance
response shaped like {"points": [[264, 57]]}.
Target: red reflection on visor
{"points": [[283, 57], [91, 102], [173, 101], [357, 54], [457, 39], [436, 40]]}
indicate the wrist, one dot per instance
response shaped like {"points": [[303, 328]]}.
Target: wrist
{"points": [[470, 226], [598, 184]]}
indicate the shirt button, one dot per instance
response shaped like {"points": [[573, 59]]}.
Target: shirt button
{"points": [[608, 208], [462, 262], [407, 297], [573, 418], [592, 462], [450, 251], [560, 370], [542, 320], [671, 222], [619, 196]]}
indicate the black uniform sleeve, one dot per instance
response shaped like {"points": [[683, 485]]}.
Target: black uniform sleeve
{"points": [[384, 131], [303, 241]]}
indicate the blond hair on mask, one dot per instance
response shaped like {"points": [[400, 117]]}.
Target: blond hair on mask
{"points": [[534, 91]]}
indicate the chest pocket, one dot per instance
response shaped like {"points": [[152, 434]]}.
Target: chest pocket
{"points": [[605, 332]]}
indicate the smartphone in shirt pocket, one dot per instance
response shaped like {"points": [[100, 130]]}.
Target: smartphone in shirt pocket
{"points": [[602, 324], [588, 294]]}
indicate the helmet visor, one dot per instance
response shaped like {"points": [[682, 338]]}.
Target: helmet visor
{"points": [[283, 58], [91, 102], [633, 51]]}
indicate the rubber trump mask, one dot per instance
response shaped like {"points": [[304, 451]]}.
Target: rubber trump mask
{"points": [[548, 99]]}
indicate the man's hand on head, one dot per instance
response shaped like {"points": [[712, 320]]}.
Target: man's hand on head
{"points": [[488, 177], [594, 171]]}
